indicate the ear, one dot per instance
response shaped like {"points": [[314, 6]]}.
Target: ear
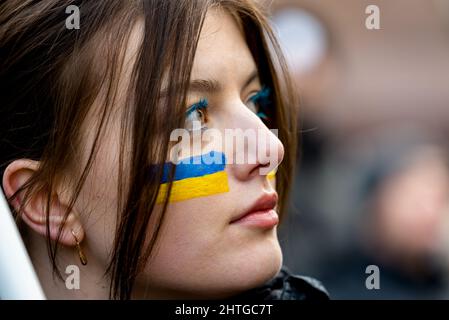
{"points": [[34, 214]]}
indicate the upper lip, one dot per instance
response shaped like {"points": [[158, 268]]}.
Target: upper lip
{"points": [[267, 201]]}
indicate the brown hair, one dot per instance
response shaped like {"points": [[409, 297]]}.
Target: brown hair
{"points": [[51, 76]]}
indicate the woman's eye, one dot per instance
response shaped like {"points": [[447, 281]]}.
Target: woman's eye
{"points": [[259, 103], [196, 116]]}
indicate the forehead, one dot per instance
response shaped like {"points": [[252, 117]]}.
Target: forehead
{"points": [[222, 51]]}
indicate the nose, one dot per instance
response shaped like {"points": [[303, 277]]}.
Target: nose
{"points": [[256, 150]]}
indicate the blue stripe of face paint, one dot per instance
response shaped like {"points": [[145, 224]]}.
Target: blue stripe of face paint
{"points": [[197, 166]]}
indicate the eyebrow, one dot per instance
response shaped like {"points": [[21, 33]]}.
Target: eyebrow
{"points": [[213, 86]]}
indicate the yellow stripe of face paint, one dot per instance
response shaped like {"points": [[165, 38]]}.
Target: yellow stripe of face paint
{"points": [[191, 188], [199, 187]]}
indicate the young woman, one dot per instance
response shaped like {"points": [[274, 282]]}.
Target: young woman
{"points": [[87, 117]]}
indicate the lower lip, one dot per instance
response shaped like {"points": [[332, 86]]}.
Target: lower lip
{"points": [[262, 219]]}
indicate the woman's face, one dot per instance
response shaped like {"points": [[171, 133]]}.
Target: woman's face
{"points": [[201, 250]]}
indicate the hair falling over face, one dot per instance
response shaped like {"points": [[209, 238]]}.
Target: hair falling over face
{"points": [[54, 75]]}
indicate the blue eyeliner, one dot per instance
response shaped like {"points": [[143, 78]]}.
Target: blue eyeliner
{"points": [[202, 104], [262, 98], [262, 115], [263, 94]]}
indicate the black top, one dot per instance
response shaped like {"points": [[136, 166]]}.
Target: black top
{"points": [[286, 286]]}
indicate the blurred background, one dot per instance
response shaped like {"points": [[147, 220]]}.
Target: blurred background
{"points": [[372, 186]]}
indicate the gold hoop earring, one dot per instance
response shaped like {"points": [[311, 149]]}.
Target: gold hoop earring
{"points": [[81, 254]]}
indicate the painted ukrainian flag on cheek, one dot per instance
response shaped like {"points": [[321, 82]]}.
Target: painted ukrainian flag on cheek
{"points": [[198, 176]]}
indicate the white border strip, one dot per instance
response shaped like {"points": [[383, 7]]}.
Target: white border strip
{"points": [[18, 280]]}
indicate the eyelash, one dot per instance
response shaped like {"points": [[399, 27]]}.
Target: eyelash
{"points": [[198, 108], [261, 99]]}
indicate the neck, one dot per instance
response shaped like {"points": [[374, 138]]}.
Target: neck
{"points": [[79, 282]]}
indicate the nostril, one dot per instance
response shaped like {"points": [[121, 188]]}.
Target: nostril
{"points": [[256, 170]]}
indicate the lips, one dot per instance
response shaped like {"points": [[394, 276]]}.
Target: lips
{"points": [[261, 214]]}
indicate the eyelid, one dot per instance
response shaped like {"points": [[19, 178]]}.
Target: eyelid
{"points": [[260, 97], [261, 94], [202, 104]]}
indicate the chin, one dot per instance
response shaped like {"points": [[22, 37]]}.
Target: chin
{"points": [[255, 267], [246, 266]]}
